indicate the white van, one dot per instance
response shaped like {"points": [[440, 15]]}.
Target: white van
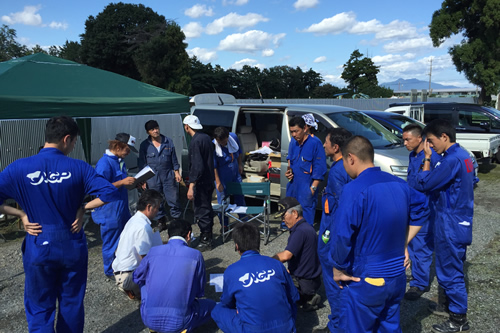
{"points": [[258, 123]]}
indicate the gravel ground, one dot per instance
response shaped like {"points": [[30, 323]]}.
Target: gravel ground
{"points": [[108, 310]]}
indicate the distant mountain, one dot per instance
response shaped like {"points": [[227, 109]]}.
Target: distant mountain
{"points": [[402, 84]]}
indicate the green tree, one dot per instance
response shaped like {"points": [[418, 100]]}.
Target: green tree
{"points": [[9, 47], [135, 41], [326, 90], [478, 54], [54, 51], [37, 49], [71, 51], [360, 73]]}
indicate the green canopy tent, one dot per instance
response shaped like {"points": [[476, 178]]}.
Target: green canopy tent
{"points": [[41, 86]]}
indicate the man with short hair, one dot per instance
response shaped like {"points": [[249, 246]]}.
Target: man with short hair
{"points": [[377, 215], [136, 239], [158, 152], [451, 186], [50, 187], [337, 178], [258, 295], [172, 280], [420, 249], [307, 167], [301, 253], [201, 179]]}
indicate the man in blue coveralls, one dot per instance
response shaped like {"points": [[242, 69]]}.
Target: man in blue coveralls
{"points": [[158, 152], [228, 165], [451, 187], [307, 167], [171, 292], [51, 187], [377, 215], [258, 294], [337, 178], [420, 249]]}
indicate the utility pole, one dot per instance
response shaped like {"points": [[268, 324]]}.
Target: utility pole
{"points": [[430, 77]]}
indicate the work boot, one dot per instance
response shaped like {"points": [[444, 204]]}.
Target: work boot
{"points": [[321, 330], [456, 323], [312, 304], [205, 242], [414, 293]]}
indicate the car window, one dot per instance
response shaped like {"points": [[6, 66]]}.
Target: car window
{"points": [[431, 114], [360, 124], [470, 119], [210, 119]]}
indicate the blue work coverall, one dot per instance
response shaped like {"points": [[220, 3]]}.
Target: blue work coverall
{"points": [[368, 241], [228, 170], [113, 216], [337, 178], [170, 292], [163, 162], [452, 202], [308, 163], [50, 187], [258, 297], [421, 247]]}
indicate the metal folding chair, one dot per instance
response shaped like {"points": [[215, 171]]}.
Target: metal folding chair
{"points": [[250, 213]]}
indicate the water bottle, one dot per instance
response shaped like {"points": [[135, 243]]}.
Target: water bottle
{"points": [[326, 236]]}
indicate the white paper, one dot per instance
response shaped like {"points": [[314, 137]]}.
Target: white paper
{"points": [[236, 209], [263, 150], [217, 280]]}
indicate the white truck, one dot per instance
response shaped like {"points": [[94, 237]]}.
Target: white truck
{"points": [[477, 127]]}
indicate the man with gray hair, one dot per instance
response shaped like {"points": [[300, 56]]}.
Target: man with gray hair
{"points": [[301, 253]]}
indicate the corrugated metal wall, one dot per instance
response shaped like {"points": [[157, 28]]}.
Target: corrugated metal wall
{"points": [[358, 104], [105, 129], [22, 138]]}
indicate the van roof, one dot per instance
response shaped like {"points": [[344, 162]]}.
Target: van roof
{"points": [[429, 103], [306, 107]]}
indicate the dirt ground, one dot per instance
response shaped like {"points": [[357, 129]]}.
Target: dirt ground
{"points": [[108, 310]]}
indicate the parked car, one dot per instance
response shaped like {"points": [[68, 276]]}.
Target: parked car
{"points": [[256, 124], [395, 123], [478, 127]]}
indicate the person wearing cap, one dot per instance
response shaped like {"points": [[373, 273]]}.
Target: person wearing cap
{"points": [[307, 167], [377, 215], [311, 123], [112, 217], [301, 253], [201, 178], [258, 293], [51, 187], [337, 178], [158, 151]]}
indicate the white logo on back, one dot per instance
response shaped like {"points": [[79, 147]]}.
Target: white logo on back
{"points": [[39, 177], [249, 278]]}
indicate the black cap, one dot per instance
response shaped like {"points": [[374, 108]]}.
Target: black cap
{"points": [[284, 205], [128, 139]]}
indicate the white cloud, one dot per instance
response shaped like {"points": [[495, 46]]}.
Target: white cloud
{"points": [[320, 59], [391, 58], [305, 4], [236, 2], [409, 44], [267, 52], [418, 69], [333, 25], [28, 16], [250, 41], [204, 55], [234, 20], [192, 30], [58, 25], [335, 80], [199, 11], [397, 29], [369, 27], [250, 62]]}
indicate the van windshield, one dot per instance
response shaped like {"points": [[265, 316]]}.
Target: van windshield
{"points": [[360, 124]]}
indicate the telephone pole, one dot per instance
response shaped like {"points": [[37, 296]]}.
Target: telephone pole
{"points": [[430, 77]]}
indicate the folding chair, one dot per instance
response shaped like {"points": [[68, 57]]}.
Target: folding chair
{"points": [[251, 213]]}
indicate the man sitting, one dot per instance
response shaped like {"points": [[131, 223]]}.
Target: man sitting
{"points": [[301, 253], [136, 239], [258, 294], [172, 279]]}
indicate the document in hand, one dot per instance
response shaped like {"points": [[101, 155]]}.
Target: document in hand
{"points": [[142, 176]]}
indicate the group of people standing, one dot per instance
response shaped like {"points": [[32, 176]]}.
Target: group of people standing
{"points": [[371, 224]]}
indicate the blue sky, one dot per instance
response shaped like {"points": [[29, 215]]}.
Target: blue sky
{"points": [[317, 34]]}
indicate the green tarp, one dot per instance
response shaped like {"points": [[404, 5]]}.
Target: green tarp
{"points": [[42, 86]]}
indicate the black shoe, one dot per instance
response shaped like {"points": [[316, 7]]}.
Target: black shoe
{"points": [[205, 242], [414, 293], [312, 304], [456, 323], [321, 330], [439, 309]]}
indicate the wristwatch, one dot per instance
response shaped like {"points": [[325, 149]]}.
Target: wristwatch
{"points": [[427, 159], [314, 188]]}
